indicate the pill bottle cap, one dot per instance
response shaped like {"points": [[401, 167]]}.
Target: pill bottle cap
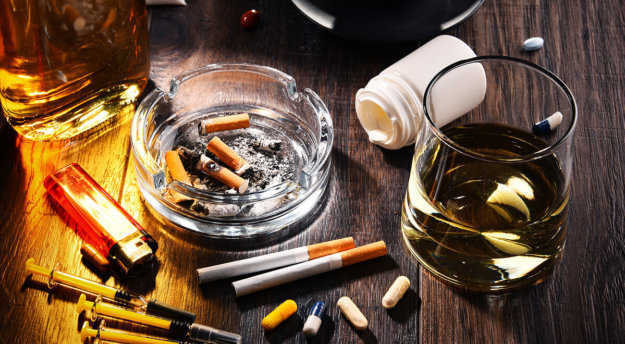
{"points": [[390, 107], [389, 112]]}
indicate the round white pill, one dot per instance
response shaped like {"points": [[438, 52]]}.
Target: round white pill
{"points": [[533, 43]]}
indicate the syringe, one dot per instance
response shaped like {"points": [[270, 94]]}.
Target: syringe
{"points": [[121, 296], [177, 329], [103, 333]]}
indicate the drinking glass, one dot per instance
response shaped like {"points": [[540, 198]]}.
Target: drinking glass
{"points": [[68, 65], [486, 204]]}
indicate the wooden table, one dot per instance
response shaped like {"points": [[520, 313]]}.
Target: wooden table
{"points": [[583, 300]]}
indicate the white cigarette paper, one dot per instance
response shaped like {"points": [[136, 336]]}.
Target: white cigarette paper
{"points": [[309, 268], [254, 264], [288, 274], [274, 260]]}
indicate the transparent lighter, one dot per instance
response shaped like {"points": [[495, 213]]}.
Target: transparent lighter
{"points": [[100, 220]]}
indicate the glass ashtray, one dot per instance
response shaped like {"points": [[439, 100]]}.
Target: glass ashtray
{"points": [[287, 145]]}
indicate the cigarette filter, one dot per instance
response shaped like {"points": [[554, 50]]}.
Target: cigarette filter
{"points": [[177, 172], [224, 175], [227, 155], [273, 260], [223, 123], [101, 221], [176, 169], [309, 268]]}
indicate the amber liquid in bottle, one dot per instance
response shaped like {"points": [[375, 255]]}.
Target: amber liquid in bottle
{"points": [[480, 224], [68, 65]]}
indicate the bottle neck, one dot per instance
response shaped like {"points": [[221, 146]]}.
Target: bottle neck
{"points": [[390, 111]]}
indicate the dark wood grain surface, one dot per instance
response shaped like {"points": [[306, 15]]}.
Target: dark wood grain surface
{"points": [[581, 301]]}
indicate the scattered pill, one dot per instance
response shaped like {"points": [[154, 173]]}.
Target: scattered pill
{"points": [[547, 125], [315, 317], [94, 257], [533, 43], [395, 292], [249, 19], [352, 313], [280, 314]]}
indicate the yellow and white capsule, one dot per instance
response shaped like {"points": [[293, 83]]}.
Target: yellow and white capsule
{"points": [[396, 292], [352, 313], [278, 315]]}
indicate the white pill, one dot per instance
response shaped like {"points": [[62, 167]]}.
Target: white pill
{"points": [[396, 292], [352, 313], [533, 43]]}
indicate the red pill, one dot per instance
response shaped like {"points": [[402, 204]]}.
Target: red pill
{"points": [[249, 19]]}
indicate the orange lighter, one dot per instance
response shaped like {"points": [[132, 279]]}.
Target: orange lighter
{"points": [[100, 220]]}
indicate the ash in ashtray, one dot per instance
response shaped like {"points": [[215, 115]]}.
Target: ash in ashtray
{"points": [[270, 164]]}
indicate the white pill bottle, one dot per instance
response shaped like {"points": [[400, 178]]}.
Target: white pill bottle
{"points": [[390, 107]]}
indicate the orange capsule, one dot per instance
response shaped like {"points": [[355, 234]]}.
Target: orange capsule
{"points": [[94, 257]]}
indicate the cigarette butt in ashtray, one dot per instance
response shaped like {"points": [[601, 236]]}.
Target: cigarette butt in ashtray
{"points": [[309, 268], [224, 175], [273, 260], [177, 172], [212, 125], [227, 155]]}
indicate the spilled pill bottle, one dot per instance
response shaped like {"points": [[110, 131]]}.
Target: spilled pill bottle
{"points": [[390, 106]]}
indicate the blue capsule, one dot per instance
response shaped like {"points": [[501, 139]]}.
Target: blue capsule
{"points": [[547, 125], [312, 324]]}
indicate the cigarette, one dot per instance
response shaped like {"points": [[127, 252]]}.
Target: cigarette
{"points": [[176, 169], [273, 260], [224, 175], [73, 19], [309, 268], [223, 123], [177, 172], [227, 155]]}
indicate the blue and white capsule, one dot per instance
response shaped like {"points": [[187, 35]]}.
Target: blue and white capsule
{"points": [[315, 317], [547, 125]]}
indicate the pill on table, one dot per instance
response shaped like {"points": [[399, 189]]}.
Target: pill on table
{"points": [[545, 126], [352, 313], [280, 314], [315, 317], [94, 257], [533, 43], [395, 292]]}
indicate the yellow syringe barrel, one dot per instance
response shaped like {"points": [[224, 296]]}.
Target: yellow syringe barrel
{"points": [[72, 281], [118, 336], [121, 313]]}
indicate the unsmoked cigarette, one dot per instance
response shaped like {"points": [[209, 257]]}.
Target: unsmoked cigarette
{"points": [[227, 155], [273, 260], [224, 175], [231, 122], [309, 268]]}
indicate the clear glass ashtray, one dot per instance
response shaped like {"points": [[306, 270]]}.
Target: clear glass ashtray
{"points": [[287, 146]]}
